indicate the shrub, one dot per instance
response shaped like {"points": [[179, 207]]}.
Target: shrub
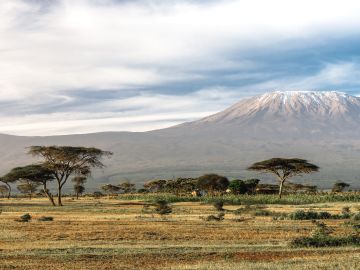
{"points": [[45, 219], [356, 216], [219, 205], [218, 217], [326, 241], [321, 238], [163, 208], [303, 215], [24, 218]]}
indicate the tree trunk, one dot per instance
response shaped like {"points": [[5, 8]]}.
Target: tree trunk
{"points": [[9, 190], [77, 196], [51, 198], [48, 194], [59, 195], [281, 187]]}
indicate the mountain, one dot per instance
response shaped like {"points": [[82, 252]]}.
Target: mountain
{"points": [[323, 127], [290, 113]]}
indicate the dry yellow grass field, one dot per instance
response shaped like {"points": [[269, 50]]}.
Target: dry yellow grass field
{"points": [[112, 234]]}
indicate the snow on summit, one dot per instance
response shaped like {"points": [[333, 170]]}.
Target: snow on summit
{"points": [[296, 107]]}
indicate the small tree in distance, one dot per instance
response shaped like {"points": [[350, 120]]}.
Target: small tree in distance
{"points": [[26, 186], [110, 189], [340, 186], [213, 183], [284, 168], [79, 187], [127, 187]]}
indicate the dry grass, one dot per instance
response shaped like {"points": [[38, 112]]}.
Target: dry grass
{"points": [[110, 234]]}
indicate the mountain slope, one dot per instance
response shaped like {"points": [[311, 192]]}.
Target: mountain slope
{"points": [[320, 126], [290, 114]]}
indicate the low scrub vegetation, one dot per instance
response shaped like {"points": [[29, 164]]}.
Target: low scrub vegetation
{"points": [[292, 199], [321, 237], [309, 215]]}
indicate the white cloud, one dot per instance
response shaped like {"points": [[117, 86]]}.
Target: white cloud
{"points": [[139, 113], [97, 45]]}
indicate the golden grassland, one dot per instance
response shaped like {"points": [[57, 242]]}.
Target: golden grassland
{"points": [[112, 234]]}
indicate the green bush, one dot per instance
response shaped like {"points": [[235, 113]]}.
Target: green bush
{"points": [[326, 241], [356, 216], [309, 215], [321, 237]]}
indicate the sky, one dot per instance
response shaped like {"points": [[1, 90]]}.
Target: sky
{"points": [[81, 66]]}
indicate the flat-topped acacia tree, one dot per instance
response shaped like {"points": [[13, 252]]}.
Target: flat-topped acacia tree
{"points": [[284, 168], [65, 161], [35, 173]]}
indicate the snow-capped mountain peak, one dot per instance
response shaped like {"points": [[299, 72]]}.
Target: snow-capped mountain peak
{"points": [[306, 111]]}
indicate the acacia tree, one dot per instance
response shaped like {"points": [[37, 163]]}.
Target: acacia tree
{"points": [[284, 168], [79, 187], [4, 190], [36, 173], [127, 187], [7, 182], [110, 189], [340, 186], [26, 186], [65, 161], [155, 185]]}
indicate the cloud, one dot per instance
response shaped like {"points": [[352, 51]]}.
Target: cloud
{"points": [[138, 56], [138, 113]]}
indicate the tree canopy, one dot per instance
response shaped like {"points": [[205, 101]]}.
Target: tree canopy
{"points": [[284, 168], [36, 173], [65, 161], [213, 183]]}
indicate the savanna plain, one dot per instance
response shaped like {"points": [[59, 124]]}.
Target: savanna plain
{"points": [[126, 233]]}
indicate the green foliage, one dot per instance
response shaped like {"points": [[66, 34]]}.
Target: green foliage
{"points": [[27, 187], [213, 183], [284, 168], [231, 199], [339, 186], [180, 185], [155, 185], [309, 215], [127, 187], [24, 218], [321, 237], [243, 187], [110, 189], [238, 186], [65, 161], [356, 216]]}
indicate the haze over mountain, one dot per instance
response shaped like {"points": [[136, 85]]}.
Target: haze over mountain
{"points": [[322, 127]]}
